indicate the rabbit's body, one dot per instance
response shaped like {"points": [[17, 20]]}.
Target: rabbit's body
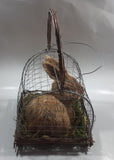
{"points": [[47, 115]]}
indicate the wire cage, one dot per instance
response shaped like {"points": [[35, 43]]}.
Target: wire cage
{"points": [[53, 108]]}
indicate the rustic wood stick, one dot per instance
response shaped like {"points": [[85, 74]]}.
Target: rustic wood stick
{"points": [[52, 16]]}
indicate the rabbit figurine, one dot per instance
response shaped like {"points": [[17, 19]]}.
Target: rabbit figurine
{"points": [[52, 114]]}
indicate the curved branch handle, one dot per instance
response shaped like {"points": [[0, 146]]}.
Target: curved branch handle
{"points": [[52, 16]]}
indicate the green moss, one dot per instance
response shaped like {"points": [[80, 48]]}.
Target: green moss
{"points": [[23, 127], [79, 124]]}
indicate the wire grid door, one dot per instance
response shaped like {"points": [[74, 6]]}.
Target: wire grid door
{"points": [[35, 82]]}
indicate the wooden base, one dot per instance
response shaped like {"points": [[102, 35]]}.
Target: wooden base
{"points": [[51, 146]]}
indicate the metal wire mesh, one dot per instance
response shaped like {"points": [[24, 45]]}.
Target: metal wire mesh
{"points": [[35, 82]]}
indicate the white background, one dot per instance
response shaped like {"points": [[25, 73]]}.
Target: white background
{"points": [[23, 30]]}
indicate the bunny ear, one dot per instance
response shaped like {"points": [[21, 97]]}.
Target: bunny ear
{"points": [[51, 66], [52, 60]]}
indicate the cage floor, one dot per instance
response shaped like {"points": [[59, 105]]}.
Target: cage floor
{"points": [[47, 146]]}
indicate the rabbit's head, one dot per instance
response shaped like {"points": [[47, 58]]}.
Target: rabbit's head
{"points": [[51, 66]]}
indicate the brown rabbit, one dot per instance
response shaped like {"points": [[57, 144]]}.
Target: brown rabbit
{"points": [[52, 114], [51, 66]]}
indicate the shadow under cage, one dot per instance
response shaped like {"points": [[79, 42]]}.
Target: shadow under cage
{"points": [[53, 108]]}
